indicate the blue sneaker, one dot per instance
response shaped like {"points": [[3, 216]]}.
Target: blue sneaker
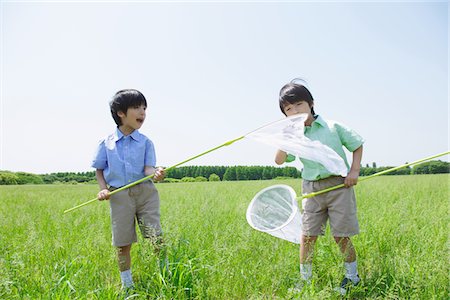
{"points": [[346, 285]]}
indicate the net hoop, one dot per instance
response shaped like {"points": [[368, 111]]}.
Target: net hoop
{"points": [[294, 205]]}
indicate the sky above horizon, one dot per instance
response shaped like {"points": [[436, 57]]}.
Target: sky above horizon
{"points": [[211, 72]]}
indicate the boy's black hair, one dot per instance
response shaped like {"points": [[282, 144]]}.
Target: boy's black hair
{"points": [[294, 92], [124, 99]]}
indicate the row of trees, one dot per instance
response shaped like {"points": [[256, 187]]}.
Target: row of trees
{"points": [[213, 173], [7, 178], [234, 173], [431, 167]]}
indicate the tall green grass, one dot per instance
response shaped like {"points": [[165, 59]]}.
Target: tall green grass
{"points": [[212, 253]]}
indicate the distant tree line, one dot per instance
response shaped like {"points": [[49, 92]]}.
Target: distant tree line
{"points": [[7, 177], [431, 167], [234, 173], [213, 173]]}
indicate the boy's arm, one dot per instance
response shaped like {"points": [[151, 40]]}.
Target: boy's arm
{"points": [[280, 157], [104, 192], [159, 172], [353, 174]]}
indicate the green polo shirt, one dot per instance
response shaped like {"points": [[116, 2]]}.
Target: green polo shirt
{"points": [[333, 134]]}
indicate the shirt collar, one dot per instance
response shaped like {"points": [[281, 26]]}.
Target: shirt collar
{"points": [[319, 121], [119, 135], [136, 135]]}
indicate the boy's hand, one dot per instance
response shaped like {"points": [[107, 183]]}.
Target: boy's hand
{"points": [[103, 195], [352, 176], [351, 179], [160, 173]]}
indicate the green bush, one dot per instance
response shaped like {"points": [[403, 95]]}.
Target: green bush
{"points": [[214, 177], [432, 167], [200, 179], [8, 178], [188, 179], [170, 180], [28, 178]]}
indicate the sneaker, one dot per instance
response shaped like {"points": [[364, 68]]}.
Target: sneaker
{"points": [[346, 285], [128, 292], [299, 286]]}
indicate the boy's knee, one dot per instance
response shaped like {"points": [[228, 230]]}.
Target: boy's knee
{"points": [[342, 240], [123, 250], [308, 239]]}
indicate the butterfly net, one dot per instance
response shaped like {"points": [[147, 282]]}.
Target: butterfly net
{"points": [[274, 210], [288, 135]]}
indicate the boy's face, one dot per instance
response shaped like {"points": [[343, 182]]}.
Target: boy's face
{"points": [[133, 118], [297, 108]]}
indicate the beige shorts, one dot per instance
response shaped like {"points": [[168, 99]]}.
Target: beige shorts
{"points": [[339, 206], [140, 204]]}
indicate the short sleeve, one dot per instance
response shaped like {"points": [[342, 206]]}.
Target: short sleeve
{"points": [[100, 160], [349, 138], [150, 155], [289, 158]]}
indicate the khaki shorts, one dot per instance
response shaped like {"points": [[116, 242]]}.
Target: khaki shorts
{"points": [[139, 203], [339, 206]]}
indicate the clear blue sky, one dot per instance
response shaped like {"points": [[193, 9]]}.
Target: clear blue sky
{"points": [[211, 72]]}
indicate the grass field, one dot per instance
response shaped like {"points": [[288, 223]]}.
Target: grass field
{"points": [[213, 253]]}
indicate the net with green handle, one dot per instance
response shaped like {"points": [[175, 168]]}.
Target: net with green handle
{"points": [[274, 210]]}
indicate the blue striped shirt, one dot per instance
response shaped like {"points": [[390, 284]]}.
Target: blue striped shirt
{"points": [[122, 158]]}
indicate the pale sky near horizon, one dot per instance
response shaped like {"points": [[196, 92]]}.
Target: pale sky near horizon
{"points": [[211, 72]]}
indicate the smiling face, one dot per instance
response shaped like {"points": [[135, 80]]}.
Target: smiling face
{"points": [[132, 119], [128, 105]]}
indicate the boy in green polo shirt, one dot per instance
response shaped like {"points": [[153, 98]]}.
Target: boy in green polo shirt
{"points": [[339, 206]]}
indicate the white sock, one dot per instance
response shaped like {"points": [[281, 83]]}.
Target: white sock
{"points": [[306, 271], [351, 271], [127, 280]]}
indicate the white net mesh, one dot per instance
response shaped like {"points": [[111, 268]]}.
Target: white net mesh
{"points": [[288, 135], [274, 210]]}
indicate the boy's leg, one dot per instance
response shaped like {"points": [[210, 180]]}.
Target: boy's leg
{"points": [[124, 261], [344, 223], [124, 257], [307, 249], [148, 217], [306, 256], [148, 212], [314, 218], [346, 247], [123, 232], [348, 250]]}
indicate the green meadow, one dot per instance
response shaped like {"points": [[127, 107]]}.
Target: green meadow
{"points": [[212, 253]]}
